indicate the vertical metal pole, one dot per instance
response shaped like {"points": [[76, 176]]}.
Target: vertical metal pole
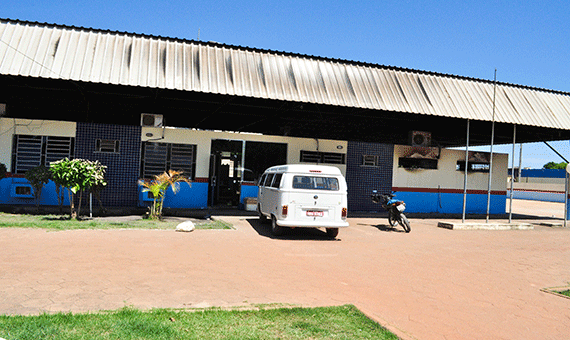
{"points": [[242, 160], [491, 156], [465, 175], [90, 205], [565, 198], [512, 174], [520, 164]]}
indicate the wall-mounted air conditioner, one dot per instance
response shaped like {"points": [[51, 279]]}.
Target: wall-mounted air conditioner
{"points": [[151, 119], [420, 138]]}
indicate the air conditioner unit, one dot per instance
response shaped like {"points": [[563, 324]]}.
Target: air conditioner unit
{"points": [[420, 138], [153, 120]]}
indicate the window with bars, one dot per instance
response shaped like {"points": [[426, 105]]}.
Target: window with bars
{"points": [[473, 166], [157, 158], [369, 160], [106, 146], [322, 157], [30, 151]]}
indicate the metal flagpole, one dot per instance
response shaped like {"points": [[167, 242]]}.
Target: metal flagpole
{"points": [[512, 174], [491, 156], [465, 176]]}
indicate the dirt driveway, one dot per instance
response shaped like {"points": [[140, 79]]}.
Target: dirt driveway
{"points": [[432, 283]]}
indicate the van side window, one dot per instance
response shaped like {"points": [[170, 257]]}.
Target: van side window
{"points": [[262, 180], [268, 180], [316, 183], [277, 180]]}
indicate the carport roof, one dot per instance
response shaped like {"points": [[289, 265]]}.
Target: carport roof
{"points": [[89, 55]]}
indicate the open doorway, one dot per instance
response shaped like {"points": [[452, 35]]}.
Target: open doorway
{"points": [[225, 172], [235, 164]]}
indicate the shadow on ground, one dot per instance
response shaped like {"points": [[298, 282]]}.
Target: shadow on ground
{"points": [[388, 228], [295, 234]]}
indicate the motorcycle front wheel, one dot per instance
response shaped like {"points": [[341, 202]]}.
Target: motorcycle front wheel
{"points": [[405, 223]]}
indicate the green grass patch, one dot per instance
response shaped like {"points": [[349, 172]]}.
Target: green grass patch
{"points": [[563, 291], [58, 222], [341, 322]]}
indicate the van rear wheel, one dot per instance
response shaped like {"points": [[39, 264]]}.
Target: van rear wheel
{"points": [[332, 232], [275, 229]]}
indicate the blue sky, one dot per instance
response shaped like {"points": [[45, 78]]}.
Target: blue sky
{"points": [[527, 42]]}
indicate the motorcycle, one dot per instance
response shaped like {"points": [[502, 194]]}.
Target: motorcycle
{"points": [[395, 210]]}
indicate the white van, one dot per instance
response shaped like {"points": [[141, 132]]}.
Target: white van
{"points": [[299, 195]]}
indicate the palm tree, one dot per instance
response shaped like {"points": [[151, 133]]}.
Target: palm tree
{"points": [[158, 187]]}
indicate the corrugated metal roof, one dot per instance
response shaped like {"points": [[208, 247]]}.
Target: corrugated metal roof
{"points": [[89, 55]]}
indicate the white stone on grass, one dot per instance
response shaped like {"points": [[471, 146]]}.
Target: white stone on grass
{"points": [[186, 226]]}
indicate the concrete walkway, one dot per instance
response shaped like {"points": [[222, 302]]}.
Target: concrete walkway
{"points": [[433, 283]]}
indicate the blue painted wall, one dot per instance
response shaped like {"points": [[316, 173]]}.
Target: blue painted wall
{"points": [[451, 203], [537, 195], [194, 196], [544, 173], [248, 191], [188, 196], [48, 195]]}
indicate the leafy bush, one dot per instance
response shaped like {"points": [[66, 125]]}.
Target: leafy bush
{"points": [[38, 177], [78, 175]]}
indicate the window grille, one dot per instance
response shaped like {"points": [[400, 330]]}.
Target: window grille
{"points": [[31, 151], [369, 160], [473, 166], [322, 157], [417, 163], [160, 157], [106, 146], [58, 148]]}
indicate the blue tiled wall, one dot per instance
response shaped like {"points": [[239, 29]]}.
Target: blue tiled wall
{"points": [[361, 180], [122, 167]]}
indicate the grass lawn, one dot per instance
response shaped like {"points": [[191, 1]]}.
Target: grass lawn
{"points": [[59, 222], [341, 322]]}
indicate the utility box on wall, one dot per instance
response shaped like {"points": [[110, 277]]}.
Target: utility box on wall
{"points": [[152, 120], [420, 138]]}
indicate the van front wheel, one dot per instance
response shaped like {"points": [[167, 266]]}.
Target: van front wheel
{"points": [[332, 232], [262, 217], [275, 229]]}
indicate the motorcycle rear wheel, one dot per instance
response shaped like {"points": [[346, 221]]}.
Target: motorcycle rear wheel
{"points": [[405, 223], [392, 219]]}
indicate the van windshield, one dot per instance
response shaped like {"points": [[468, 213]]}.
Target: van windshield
{"points": [[315, 183]]}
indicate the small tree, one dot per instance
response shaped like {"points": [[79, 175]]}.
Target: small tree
{"points": [[78, 175], [158, 187], [38, 178], [552, 165]]}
